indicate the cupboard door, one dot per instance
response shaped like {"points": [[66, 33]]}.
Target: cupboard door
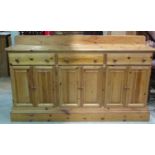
{"points": [[69, 86], [137, 86], [44, 85], [92, 84], [21, 77], [115, 86]]}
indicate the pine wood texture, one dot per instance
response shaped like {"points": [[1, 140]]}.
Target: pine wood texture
{"points": [[68, 43], [137, 86], [44, 85], [32, 58], [69, 86], [77, 59], [83, 48], [91, 86], [116, 81], [21, 85], [78, 39], [81, 85], [129, 59], [82, 114]]}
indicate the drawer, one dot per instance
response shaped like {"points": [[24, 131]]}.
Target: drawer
{"points": [[133, 59], [142, 58], [32, 58], [77, 59]]}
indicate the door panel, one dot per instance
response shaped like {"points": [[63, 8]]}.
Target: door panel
{"points": [[138, 81], [92, 86], [44, 85], [69, 86], [116, 85], [21, 77]]}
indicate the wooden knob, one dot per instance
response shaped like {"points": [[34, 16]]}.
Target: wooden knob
{"points": [[47, 60], [129, 57], [17, 60], [31, 59], [95, 60], [144, 60], [114, 60], [46, 108]]}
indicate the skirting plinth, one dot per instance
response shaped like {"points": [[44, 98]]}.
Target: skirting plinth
{"points": [[80, 114]]}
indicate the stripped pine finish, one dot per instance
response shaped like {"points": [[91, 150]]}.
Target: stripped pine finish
{"points": [[115, 86], [91, 79], [44, 85], [80, 59], [138, 83], [69, 84], [22, 85], [78, 39], [91, 88]]}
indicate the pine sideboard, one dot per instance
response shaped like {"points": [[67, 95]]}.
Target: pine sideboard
{"points": [[86, 78]]}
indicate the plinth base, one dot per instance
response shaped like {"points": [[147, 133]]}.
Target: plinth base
{"points": [[80, 114]]}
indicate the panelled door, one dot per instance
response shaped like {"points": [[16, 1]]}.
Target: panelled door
{"points": [[115, 86], [69, 85], [44, 85], [137, 86], [92, 86], [22, 82], [80, 86]]}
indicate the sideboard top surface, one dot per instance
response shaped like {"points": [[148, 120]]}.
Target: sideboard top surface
{"points": [[81, 44], [82, 48]]}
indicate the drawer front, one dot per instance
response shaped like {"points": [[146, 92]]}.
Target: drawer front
{"points": [[142, 58], [77, 59], [133, 59], [117, 59], [32, 58]]}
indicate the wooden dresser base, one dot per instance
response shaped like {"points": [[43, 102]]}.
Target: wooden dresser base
{"points": [[76, 78], [81, 114]]}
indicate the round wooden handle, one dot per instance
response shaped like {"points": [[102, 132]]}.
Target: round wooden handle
{"points": [[31, 59], [17, 60], [47, 60], [95, 60], [144, 60], [114, 60]]}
